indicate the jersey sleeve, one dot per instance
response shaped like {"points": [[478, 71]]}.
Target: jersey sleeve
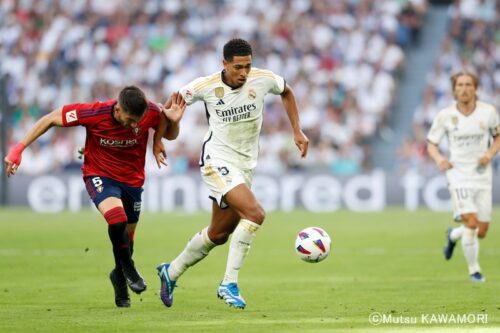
{"points": [[277, 84], [437, 130], [494, 123], [85, 114], [71, 114], [193, 92]]}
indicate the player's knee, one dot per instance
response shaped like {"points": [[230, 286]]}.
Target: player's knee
{"points": [[116, 215], [471, 222], [256, 214], [218, 238]]}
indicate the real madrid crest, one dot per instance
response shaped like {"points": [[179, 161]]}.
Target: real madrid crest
{"points": [[482, 126], [251, 94], [219, 92]]}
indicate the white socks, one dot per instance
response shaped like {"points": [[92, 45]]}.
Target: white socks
{"points": [[456, 233], [241, 240], [470, 247], [196, 249]]}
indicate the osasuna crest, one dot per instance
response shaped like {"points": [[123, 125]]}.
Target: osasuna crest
{"points": [[219, 92], [137, 130], [252, 94]]}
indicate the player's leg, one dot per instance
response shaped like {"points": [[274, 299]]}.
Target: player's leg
{"points": [[462, 203], [470, 246], [223, 223], [100, 189], [112, 200], [482, 229], [114, 213], [484, 202], [122, 298], [252, 215]]}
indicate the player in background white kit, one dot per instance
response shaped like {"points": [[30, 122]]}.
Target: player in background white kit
{"points": [[234, 102], [468, 124]]}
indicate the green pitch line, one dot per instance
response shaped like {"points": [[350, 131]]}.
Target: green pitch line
{"points": [[54, 276]]}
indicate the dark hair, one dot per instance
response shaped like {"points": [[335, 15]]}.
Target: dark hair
{"points": [[133, 101], [237, 47]]}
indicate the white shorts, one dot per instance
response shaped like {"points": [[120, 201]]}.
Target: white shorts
{"points": [[468, 200], [221, 177]]}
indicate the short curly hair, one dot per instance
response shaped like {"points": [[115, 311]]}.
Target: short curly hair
{"points": [[237, 47]]}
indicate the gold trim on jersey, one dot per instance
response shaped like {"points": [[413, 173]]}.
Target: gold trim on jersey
{"points": [[219, 182], [212, 79], [261, 74]]}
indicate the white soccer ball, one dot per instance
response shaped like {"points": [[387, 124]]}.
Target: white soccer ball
{"points": [[313, 244]]}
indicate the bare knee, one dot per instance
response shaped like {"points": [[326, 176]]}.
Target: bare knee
{"points": [[471, 222], [256, 214]]}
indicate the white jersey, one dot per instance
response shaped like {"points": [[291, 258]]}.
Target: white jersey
{"points": [[468, 140], [234, 115]]}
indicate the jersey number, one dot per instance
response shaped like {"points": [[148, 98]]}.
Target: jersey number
{"points": [[462, 193], [97, 181]]}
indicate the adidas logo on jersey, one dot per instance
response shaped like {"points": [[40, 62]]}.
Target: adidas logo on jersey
{"points": [[220, 102]]}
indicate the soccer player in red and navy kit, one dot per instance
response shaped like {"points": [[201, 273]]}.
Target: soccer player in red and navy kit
{"points": [[113, 167]]}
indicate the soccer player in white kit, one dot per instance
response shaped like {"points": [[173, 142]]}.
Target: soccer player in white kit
{"points": [[468, 124], [234, 102]]}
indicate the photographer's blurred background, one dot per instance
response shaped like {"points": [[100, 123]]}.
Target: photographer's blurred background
{"points": [[369, 75]]}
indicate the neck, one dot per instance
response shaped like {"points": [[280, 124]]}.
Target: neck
{"points": [[466, 107], [224, 79]]}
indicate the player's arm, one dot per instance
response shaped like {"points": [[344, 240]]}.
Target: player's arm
{"points": [[491, 152], [13, 159], [168, 127], [290, 104], [441, 161]]}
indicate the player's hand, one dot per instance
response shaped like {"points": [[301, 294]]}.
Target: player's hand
{"points": [[302, 143], [160, 153], [13, 159], [445, 165], [174, 108], [485, 159]]}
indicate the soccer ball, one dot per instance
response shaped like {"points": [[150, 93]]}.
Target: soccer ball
{"points": [[313, 244]]}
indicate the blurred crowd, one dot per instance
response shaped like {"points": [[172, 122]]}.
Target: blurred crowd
{"points": [[341, 57], [472, 42]]}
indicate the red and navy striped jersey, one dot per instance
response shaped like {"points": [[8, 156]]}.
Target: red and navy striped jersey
{"points": [[112, 150]]}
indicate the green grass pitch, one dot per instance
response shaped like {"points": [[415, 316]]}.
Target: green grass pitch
{"points": [[54, 275]]}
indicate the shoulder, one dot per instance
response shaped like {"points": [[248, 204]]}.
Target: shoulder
{"points": [[93, 109], [202, 83], [449, 110], [257, 72], [153, 107], [445, 113], [485, 106]]}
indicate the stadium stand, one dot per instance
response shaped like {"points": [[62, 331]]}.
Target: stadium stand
{"points": [[472, 42], [341, 57]]}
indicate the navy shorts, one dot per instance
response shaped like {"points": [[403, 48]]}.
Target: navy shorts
{"points": [[100, 188]]}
